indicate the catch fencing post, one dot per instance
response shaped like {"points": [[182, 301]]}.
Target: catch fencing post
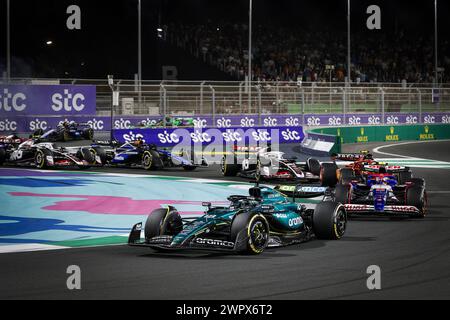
{"points": [[240, 95], [344, 102], [302, 91], [213, 103], [420, 105], [259, 105], [383, 113], [163, 90], [111, 86], [201, 96]]}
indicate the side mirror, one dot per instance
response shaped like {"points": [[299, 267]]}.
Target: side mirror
{"points": [[207, 205]]}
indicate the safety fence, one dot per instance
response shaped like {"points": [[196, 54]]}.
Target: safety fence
{"points": [[125, 104]]}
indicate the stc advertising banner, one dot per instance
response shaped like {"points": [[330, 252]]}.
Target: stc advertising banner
{"points": [[62, 100], [214, 136]]}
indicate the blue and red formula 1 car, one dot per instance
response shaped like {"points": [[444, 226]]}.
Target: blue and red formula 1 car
{"points": [[139, 154], [378, 190]]}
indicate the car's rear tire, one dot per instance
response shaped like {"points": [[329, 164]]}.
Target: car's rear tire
{"points": [[163, 221], [147, 160], [230, 169], [38, 133], [341, 193], [313, 166], [404, 176], [328, 174], [2, 156], [88, 134], [66, 136], [346, 175], [87, 155], [416, 196], [189, 168], [329, 221], [419, 182], [101, 153], [250, 233]]}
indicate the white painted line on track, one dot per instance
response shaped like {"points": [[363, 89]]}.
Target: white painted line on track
{"points": [[377, 150], [28, 247]]}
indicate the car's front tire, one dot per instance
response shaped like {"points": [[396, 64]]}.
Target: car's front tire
{"points": [[329, 220], [163, 221], [40, 158], [250, 233], [147, 160]]}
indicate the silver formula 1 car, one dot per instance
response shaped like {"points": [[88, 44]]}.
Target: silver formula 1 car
{"points": [[263, 164]]}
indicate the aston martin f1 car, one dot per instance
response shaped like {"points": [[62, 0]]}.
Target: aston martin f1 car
{"points": [[263, 164], [138, 153], [47, 155], [249, 225], [377, 191], [66, 131]]}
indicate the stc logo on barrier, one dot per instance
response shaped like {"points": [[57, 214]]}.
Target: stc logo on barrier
{"points": [[7, 125], [12, 102], [38, 124], [168, 137], [131, 136], [68, 101], [96, 124]]}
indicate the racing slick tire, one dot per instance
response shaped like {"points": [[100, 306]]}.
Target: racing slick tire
{"points": [[329, 220], [163, 221], [101, 153], [328, 174], [40, 158], [230, 169], [341, 193], [2, 156], [65, 136], [147, 160], [346, 175], [420, 182], [313, 166], [404, 176], [37, 133], [87, 155], [250, 233], [416, 196], [189, 168], [88, 134]]}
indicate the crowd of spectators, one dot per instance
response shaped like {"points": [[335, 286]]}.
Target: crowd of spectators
{"points": [[289, 54]]}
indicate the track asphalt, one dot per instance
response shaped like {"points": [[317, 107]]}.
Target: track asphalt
{"points": [[414, 257]]}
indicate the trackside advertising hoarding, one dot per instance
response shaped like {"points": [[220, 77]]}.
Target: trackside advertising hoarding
{"points": [[366, 134], [10, 122], [171, 137], [55, 100]]}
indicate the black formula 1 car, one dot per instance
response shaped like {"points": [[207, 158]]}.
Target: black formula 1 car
{"points": [[139, 154], [64, 132], [262, 164], [249, 225], [47, 155]]}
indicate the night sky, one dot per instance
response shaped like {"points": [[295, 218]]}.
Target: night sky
{"points": [[107, 43]]}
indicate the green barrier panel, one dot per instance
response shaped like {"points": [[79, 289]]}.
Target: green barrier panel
{"points": [[386, 133]]}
